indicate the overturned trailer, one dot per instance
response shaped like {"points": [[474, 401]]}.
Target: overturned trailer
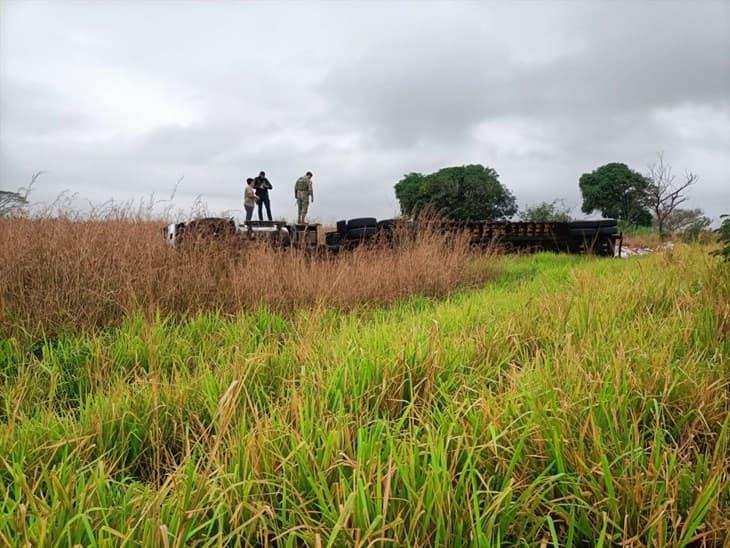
{"points": [[599, 237]]}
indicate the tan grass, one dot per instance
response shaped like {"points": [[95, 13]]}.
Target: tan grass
{"points": [[59, 273]]}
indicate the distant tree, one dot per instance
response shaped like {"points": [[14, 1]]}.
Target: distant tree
{"points": [[663, 195], [681, 220], [462, 193], [13, 202], [617, 192], [546, 212]]}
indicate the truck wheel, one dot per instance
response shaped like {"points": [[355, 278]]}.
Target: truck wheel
{"points": [[332, 238]]}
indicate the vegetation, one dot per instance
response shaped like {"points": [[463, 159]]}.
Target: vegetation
{"points": [[546, 212], [11, 203], [58, 275], [617, 192], [664, 195], [724, 237], [462, 193], [640, 236], [571, 401], [686, 221], [474, 193]]}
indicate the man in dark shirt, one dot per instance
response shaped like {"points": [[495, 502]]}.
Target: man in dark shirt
{"points": [[262, 186]]}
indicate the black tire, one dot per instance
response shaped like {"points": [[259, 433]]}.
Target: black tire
{"points": [[591, 233], [598, 223], [332, 238], [342, 226], [362, 222], [388, 224], [361, 233]]}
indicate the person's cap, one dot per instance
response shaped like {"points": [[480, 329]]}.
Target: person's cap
{"points": [[309, 173], [262, 173], [249, 180]]}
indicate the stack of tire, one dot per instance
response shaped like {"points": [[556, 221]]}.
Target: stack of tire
{"points": [[352, 233], [598, 237]]}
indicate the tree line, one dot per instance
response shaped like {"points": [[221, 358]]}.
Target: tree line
{"points": [[474, 192]]}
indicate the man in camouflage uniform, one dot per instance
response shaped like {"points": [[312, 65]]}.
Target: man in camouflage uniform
{"points": [[303, 193]]}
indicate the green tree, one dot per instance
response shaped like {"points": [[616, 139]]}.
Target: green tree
{"points": [[546, 212], [617, 192], [461, 193], [407, 191]]}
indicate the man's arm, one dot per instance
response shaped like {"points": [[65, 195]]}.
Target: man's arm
{"points": [[311, 191]]}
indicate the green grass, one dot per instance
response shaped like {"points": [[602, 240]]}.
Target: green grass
{"points": [[574, 401]]}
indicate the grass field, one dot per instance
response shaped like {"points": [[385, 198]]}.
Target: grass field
{"points": [[569, 401]]}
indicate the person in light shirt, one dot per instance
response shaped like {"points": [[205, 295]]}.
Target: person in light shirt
{"points": [[249, 198]]}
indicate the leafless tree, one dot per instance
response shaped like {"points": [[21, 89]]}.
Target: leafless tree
{"points": [[664, 195], [12, 202]]}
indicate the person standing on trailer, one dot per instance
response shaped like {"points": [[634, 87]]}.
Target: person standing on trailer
{"points": [[262, 186], [303, 192], [249, 198]]}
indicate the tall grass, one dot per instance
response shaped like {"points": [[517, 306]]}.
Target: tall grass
{"points": [[575, 401], [641, 236], [61, 274]]}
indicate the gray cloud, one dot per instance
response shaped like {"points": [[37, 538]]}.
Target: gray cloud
{"points": [[120, 100], [440, 82]]}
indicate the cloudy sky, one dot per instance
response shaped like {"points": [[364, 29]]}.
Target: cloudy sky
{"points": [[118, 100]]}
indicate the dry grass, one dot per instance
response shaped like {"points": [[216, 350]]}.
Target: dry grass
{"points": [[61, 274]]}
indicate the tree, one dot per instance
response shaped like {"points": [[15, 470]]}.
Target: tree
{"points": [[461, 193], [617, 192], [663, 195], [546, 212], [407, 191], [682, 220], [11, 203]]}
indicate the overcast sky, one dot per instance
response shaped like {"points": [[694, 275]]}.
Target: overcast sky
{"points": [[117, 100]]}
